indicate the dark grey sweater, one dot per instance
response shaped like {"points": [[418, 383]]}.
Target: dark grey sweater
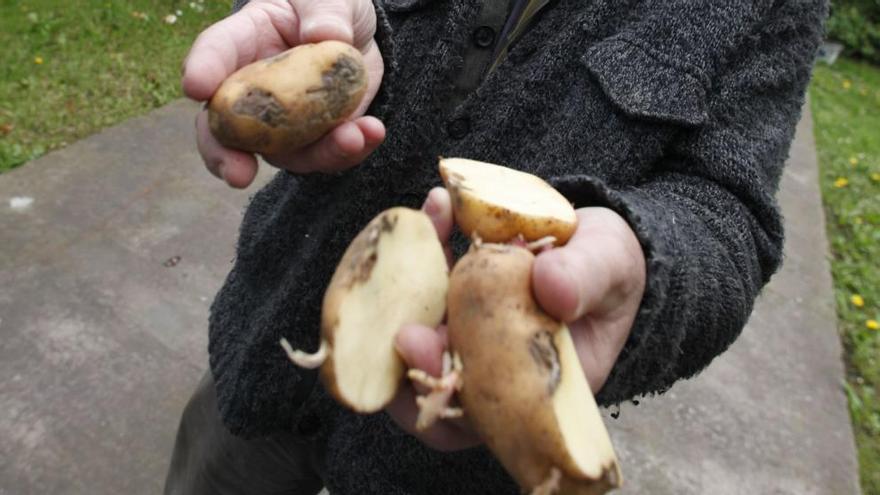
{"points": [[677, 114]]}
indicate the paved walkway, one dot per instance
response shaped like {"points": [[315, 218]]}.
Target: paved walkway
{"points": [[105, 280]]}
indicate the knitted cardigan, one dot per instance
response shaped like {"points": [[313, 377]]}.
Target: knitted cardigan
{"points": [[678, 115]]}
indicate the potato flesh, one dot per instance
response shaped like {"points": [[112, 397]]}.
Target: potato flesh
{"points": [[397, 276], [285, 102], [578, 415], [520, 368], [498, 203]]}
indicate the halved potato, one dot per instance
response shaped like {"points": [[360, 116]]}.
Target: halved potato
{"points": [[498, 203], [393, 273], [287, 101], [522, 386]]}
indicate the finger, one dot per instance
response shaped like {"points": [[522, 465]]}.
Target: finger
{"points": [[352, 22], [421, 347], [598, 345], [375, 71], [571, 280], [236, 168], [438, 206], [445, 436], [258, 31], [344, 147], [443, 335]]}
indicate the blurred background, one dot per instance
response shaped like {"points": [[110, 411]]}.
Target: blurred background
{"points": [[70, 69]]}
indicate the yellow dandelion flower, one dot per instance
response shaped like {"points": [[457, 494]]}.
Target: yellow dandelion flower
{"points": [[841, 182], [875, 177], [853, 160], [38, 60], [872, 324], [857, 300], [846, 84]]}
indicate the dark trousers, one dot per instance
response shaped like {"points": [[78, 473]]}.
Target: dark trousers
{"points": [[207, 459]]}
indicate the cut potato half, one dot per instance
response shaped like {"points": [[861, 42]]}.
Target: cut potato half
{"points": [[498, 203], [519, 367], [393, 273]]}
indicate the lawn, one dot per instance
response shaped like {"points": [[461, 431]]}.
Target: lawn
{"points": [[71, 68], [846, 109]]}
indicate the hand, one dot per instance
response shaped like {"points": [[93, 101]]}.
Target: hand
{"points": [[264, 28], [595, 283], [422, 348]]}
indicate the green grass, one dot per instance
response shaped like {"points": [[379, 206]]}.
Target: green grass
{"points": [[71, 68], [846, 108]]}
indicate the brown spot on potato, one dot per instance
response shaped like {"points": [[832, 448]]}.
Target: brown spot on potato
{"points": [[545, 354], [457, 200], [388, 223], [338, 83], [261, 105], [363, 261], [367, 249]]}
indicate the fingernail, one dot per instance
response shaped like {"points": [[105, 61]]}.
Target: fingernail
{"points": [[431, 207]]}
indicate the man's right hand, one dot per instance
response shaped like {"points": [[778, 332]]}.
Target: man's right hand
{"points": [[262, 29]]}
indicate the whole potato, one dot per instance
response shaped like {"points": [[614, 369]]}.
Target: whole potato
{"points": [[522, 385], [290, 100]]}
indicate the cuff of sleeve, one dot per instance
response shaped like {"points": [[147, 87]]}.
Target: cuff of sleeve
{"points": [[647, 362]]}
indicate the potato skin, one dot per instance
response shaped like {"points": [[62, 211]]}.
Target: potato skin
{"points": [[288, 101], [510, 369], [496, 222]]}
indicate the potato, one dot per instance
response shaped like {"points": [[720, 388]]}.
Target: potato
{"points": [[522, 386], [498, 203], [287, 101], [393, 273]]}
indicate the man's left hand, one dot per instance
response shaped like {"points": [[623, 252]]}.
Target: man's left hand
{"points": [[594, 283]]}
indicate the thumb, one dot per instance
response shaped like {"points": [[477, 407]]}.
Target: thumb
{"points": [[593, 272], [422, 348], [567, 283], [352, 22], [438, 206]]}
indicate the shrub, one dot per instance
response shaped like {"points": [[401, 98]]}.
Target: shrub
{"points": [[856, 24]]}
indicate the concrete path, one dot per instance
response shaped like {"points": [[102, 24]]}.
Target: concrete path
{"points": [[106, 277], [769, 416]]}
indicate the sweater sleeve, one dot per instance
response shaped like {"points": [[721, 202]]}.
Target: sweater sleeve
{"points": [[706, 215]]}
